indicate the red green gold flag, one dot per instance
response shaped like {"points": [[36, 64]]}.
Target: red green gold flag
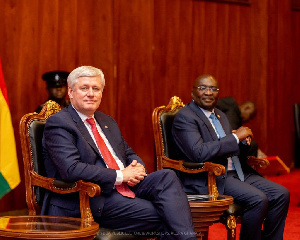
{"points": [[9, 169]]}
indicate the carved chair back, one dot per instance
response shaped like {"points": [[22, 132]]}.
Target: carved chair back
{"points": [[31, 134]]}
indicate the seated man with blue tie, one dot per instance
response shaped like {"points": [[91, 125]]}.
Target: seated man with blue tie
{"points": [[203, 133], [81, 143]]}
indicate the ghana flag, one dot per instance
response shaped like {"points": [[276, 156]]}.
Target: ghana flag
{"points": [[9, 169]]}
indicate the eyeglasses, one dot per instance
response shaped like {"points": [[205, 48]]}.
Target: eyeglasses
{"points": [[87, 89], [206, 88]]}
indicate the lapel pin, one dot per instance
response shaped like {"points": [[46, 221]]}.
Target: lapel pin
{"points": [[106, 126], [218, 115]]}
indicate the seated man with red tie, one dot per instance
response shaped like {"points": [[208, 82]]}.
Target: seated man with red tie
{"points": [[81, 143], [203, 133]]}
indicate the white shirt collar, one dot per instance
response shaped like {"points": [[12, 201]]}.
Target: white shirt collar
{"points": [[82, 116], [206, 112]]}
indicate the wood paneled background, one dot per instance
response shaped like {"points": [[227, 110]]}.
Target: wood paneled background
{"points": [[151, 50]]}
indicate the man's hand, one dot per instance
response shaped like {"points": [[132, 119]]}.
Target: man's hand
{"points": [[134, 173], [244, 133]]}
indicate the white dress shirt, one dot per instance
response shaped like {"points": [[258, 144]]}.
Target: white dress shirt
{"points": [[119, 178]]}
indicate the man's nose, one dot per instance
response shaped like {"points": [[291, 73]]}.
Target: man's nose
{"points": [[90, 92], [208, 91]]}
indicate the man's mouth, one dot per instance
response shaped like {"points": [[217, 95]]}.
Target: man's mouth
{"points": [[208, 99], [90, 101]]}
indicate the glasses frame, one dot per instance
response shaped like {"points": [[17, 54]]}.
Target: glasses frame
{"points": [[206, 88]]}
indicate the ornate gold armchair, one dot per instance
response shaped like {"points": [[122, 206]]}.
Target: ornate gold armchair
{"points": [[166, 152], [31, 133], [205, 209]]}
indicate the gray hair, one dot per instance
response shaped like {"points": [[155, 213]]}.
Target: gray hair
{"points": [[85, 71]]}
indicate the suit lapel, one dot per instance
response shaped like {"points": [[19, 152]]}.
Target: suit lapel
{"points": [[105, 126], [82, 128], [222, 121], [204, 119]]}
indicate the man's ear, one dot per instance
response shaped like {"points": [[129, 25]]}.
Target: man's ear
{"points": [[70, 92]]}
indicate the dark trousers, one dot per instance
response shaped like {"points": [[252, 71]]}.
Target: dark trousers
{"points": [[265, 203], [160, 205]]}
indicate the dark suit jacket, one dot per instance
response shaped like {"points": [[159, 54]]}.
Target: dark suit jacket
{"points": [[198, 142], [71, 154]]}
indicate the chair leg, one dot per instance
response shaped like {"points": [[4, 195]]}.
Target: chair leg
{"points": [[231, 234], [231, 227]]}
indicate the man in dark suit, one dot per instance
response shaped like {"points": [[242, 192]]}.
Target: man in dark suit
{"points": [[82, 143], [203, 133]]}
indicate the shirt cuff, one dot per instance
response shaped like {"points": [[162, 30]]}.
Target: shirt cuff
{"points": [[237, 139], [119, 178]]}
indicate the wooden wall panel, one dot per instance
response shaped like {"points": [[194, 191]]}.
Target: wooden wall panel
{"points": [[173, 49], [280, 77], [151, 50], [199, 46], [41, 36], [258, 71], [295, 56], [134, 87], [94, 44], [19, 55]]}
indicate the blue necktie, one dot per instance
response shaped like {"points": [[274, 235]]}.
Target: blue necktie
{"points": [[221, 133]]}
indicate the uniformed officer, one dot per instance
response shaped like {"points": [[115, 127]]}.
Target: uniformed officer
{"points": [[56, 87]]}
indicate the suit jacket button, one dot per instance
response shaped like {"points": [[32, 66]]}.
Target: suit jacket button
{"points": [[99, 210]]}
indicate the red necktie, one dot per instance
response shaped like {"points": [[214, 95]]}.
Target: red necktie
{"points": [[123, 189]]}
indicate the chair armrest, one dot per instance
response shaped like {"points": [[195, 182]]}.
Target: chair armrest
{"points": [[193, 167], [63, 185], [213, 170], [256, 163], [85, 189]]}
